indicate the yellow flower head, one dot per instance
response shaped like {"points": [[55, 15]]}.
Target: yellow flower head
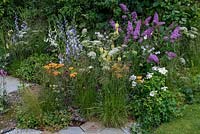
{"points": [[139, 77]]}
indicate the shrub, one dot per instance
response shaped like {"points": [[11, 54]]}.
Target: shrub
{"points": [[152, 102], [31, 67]]}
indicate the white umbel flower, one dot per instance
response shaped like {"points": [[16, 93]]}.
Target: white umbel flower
{"points": [[92, 54], [149, 75], [164, 88]]}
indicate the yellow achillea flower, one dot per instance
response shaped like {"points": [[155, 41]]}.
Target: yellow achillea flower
{"points": [[71, 68]]}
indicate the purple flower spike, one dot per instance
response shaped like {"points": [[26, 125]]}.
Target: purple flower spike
{"points": [[134, 16], [129, 28], [136, 33], [175, 34], [147, 20], [171, 55], [153, 58], [123, 7], [156, 20]]}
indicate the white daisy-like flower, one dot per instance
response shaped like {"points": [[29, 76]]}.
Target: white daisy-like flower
{"points": [[182, 60], [145, 37], [162, 70], [158, 52], [132, 77], [92, 54], [155, 68], [90, 67], [149, 75], [152, 93], [164, 88], [134, 83]]}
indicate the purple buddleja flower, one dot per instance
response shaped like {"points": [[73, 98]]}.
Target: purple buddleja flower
{"points": [[129, 28], [147, 20], [134, 16], [171, 55], [124, 16], [129, 32], [148, 32], [156, 20], [136, 33], [3, 73], [112, 23], [175, 34], [153, 58], [123, 7], [126, 39], [16, 23]]}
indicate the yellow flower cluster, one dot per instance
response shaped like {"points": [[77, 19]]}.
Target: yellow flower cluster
{"points": [[52, 68]]}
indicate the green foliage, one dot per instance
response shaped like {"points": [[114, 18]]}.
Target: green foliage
{"points": [[30, 68]]}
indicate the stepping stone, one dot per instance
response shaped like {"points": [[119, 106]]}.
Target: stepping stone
{"points": [[24, 131], [127, 127], [112, 131], [92, 127], [71, 130], [12, 84]]}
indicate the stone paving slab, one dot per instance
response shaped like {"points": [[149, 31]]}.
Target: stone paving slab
{"points": [[92, 127], [112, 131], [25, 131], [71, 130], [12, 84]]}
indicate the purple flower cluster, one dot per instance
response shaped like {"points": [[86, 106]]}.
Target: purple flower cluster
{"points": [[123, 7], [153, 58], [71, 40], [3, 73], [148, 32], [175, 34], [171, 55], [129, 32], [73, 45], [134, 16]]}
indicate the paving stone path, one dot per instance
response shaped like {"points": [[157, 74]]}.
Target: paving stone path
{"points": [[12, 85]]}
